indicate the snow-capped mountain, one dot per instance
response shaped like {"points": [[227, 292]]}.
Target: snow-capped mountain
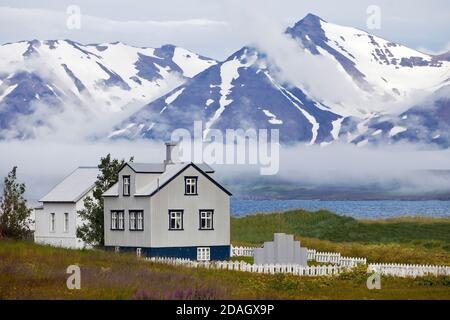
{"points": [[64, 74], [388, 82], [237, 93]]}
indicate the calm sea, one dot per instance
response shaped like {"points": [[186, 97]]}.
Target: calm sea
{"points": [[357, 209]]}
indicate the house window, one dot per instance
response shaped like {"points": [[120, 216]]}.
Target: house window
{"points": [[117, 220], [138, 252], [136, 220], [175, 219], [132, 220], [121, 220], [126, 185], [52, 222], [66, 222], [140, 220], [203, 254], [113, 220], [206, 220], [190, 186]]}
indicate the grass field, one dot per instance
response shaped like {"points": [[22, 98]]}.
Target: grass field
{"points": [[30, 271], [402, 240]]}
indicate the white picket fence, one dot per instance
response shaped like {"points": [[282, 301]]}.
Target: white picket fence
{"points": [[334, 258], [241, 251], [313, 255], [312, 271], [391, 269], [408, 270]]}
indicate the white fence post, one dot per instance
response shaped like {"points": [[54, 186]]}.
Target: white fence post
{"points": [[408, 270], [392, 269]]}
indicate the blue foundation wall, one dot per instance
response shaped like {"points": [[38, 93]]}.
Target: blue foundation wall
{"points": [[217, 252]]}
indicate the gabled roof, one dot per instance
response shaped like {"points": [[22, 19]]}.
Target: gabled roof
{"points": [[159, 167], [172, 171], [74, 186]]}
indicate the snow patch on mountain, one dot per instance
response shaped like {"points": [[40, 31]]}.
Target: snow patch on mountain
{"points": [[294, 100], [229, 71], [173, 96], [336, 128], [191, 63], [396, 130], [7, 91], [272, 118]]}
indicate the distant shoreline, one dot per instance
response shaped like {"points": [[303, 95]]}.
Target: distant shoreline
{"points": [[360, 209]]}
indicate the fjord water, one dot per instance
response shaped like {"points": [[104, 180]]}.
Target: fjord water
{"points": [[372, 209]]}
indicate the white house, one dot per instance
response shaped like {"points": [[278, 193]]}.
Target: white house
{"points": [[56, 220], [170, 209]]}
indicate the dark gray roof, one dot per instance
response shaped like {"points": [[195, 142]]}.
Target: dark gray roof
{"points": [[171, 172], [159, 167], [146, 167], [74, 186]]}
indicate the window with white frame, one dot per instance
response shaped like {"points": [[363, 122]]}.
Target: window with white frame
{"points": [[52, 222], [120, 220], [117, 220], [136, 220], [132, 215], [175, 219], [138, 252], [66, 222], [190, 186], [206, 219], [140, 220], [126, 185], [203, 254], [113, 220]]}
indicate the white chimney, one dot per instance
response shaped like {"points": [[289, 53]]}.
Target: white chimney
{"points": [[172, 155]]}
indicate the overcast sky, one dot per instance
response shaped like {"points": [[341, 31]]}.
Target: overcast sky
{"points": [[216, 28]]}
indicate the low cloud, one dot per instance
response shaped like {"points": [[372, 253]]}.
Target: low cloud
{"points": [[349, 165], [42, 164], [444, 49], [408, 168]]}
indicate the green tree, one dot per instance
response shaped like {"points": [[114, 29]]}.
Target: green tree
{"points": [[14, 213], [92, 230]]}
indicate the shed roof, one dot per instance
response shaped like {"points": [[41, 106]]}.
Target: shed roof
{"points": [[74, 186]]}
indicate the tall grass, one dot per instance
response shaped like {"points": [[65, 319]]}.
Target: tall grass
{"points": [[30, 271]]}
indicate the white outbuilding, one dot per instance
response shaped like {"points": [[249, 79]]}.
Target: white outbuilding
{"points": [[56, 220]]}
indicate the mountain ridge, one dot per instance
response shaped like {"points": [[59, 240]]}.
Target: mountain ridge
{"points": [[108, 76], [379, 68], [397, 93]]}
